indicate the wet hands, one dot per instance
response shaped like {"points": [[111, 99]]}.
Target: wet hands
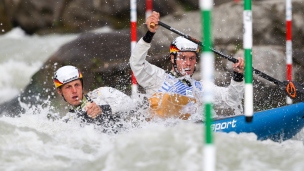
{"points": [[153, 18], [239, 66], [93, 110]]}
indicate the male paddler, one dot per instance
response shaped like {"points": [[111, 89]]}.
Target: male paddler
{"points": [[103, 106], [172, 92]]}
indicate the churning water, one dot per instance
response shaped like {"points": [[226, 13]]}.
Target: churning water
{"points": [[33, 142]]}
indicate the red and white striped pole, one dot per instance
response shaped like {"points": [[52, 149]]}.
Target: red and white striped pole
{"points": [[288, 45], [133, 19], [149, 7]]}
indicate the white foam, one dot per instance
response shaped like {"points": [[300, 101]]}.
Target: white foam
{"points": [[21, 56], [15, 33]]}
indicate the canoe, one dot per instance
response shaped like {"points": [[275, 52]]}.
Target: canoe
{"points": [[277, 124]]}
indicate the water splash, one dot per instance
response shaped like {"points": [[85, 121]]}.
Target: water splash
{"points": [[145, 145]]}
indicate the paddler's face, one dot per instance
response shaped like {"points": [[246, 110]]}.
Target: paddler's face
{"points": [[72, 92], [186, 62]]}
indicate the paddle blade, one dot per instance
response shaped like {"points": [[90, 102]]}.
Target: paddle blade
{"points": [[294, 90]]}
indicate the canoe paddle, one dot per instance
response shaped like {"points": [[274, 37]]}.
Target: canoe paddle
{"points": [[294, 90]]}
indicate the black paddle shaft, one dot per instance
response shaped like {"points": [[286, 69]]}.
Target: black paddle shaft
{"points": [[230, 58], [293, 89]]}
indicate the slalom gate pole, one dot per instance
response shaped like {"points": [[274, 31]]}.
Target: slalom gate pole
{"points": [[247, 43], [133, 20], [288, 45], [207, 72], [149, 7]]}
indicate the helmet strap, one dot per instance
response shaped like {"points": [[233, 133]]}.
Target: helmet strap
{"points": [[81, 79], [174, 64], [63, 97], [59, 89]]}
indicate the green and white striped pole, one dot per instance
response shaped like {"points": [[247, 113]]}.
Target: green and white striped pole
{"points": [[247, 43], [207, 74]]}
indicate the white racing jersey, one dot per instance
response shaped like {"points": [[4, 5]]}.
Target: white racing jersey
{"points": [[155, 80]]}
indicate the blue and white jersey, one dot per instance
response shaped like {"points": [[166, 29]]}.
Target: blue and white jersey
{"points": [[179, 86]]}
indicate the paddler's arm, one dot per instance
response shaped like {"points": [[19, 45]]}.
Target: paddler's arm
{"points": [[229, 97], [238, 70], [116, 100], [237, 82], [232, 95], [93, 110], [147, 75]]}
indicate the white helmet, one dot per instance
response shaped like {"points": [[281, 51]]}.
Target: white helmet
{"points": [[65, 75], [181, 44]]}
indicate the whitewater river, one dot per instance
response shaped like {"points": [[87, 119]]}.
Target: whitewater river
{"points": [[34, 143]]}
